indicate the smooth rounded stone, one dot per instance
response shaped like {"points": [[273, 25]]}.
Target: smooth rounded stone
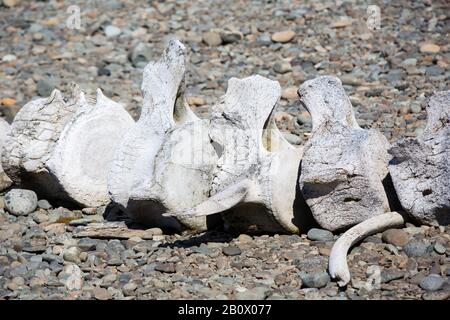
{"points": [[101, 294], [44, 204], [257, 293], [212, 39], [20, 202], [89, 211], [11, 3], [396, 237], [166, 267], [315, 280], [436, 295], [231, 36], [439, 248], [283, 36], [112, 31], [316, 234], [290, 93], [72, 254], [282, 67], [244, 238], [415, 248], [129, 288], [432, 282], [231, 251], [430, 48]]}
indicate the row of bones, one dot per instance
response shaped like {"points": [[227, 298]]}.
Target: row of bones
{"points": [[173, 169]]}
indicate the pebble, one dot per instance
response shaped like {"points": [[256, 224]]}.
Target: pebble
{"points": [[112, 31], [439, 248], [8, 102], [72, 254], [230, 36], [20, 202], [129, 288], [212, 39], [140, 55], [10, 3], [415, 248], [231, 251], [9, 58], [257, 293], [165, 267], [430, 48], [315, 280], [290, 93], [44, 204], [195, 101], [282, 67], [283, 36], [315, 234], [432, 282], [396, 237], [101, 294]]}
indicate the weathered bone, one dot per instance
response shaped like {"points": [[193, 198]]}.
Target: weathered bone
{"points": [[420, 168], [165, 162], [338, 266], [255, 176], [62, 149], [343, 166], [5, 181]]}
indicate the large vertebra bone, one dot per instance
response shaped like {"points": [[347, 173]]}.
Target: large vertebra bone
{"points": [[420, 168], [5, 181], [343, 166], [62, 149], [165, 162], [254, 183]]}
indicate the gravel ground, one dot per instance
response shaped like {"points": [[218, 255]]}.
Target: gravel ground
{"points": [[388, 73]]}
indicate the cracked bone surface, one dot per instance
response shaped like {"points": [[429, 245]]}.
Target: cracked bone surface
{"points": [[61, 148], [5, 181], [254, 184], [343, 166], [165, 161], [420, 168]]}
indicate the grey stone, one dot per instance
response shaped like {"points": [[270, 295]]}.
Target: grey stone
{"points": [[112, 31], [20, 202], [432, 282], [44, 204], [316, 234], [415, 248], [231, 251], [315, 280]]}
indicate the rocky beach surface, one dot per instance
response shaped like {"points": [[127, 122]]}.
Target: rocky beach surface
{"points": [[52, 252]]}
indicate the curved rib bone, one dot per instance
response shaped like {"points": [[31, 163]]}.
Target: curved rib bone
{"points": [[420, 168], [165, 161], [255, 177], [62, 149], [343, 166], [5, 181], [337, 265]]}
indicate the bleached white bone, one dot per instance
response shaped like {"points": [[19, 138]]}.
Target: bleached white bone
{"points": [[62, 148], [337, 265], [165, 162], [343, 166], [254, 183], [5, 181], [420, 168]]}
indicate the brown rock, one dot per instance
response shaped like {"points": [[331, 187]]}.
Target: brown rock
{"points": [[430, 48], [196, 101], [212, 39], [290, 93], [283, 36], [10, 3], [101, 294], [8, 102], [396, 237]]}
